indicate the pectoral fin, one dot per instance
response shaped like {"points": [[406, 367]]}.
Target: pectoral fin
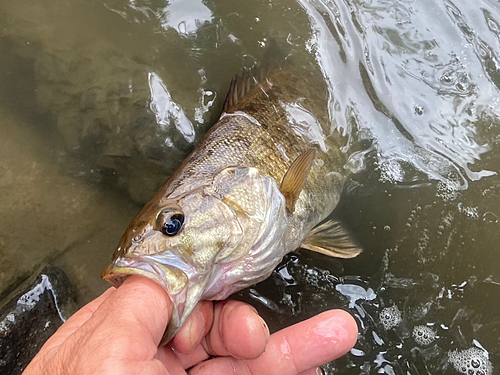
{"points": [[331, 238], [294, 178]]}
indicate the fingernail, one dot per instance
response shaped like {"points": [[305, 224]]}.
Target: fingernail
{"points": [[196, 328], [319, 371], [265, 328]]}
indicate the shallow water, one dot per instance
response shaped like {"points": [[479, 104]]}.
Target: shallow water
{"points": [[101, 100]]}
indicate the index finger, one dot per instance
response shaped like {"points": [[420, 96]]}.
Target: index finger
{"points": [[295, 349]]}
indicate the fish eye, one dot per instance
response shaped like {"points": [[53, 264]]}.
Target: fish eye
{"points": [[170, 221]]}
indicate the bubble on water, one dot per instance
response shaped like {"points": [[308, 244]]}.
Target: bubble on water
{"points": [[490, 217], [391, 172], [472, 361], [419, 110], [469, 212], [424, 335], [447, 190], [234, 39], [390, 317]]}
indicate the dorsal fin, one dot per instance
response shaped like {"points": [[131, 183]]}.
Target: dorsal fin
{"points": [[273, 59], [240, 86]]}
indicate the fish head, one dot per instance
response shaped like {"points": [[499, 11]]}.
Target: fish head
{"points": [[205, 243]]}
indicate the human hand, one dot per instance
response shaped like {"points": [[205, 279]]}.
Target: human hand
{"points": [[119, 333]]}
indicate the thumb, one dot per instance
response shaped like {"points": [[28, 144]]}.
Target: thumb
{"points": [[139, 306], [127, 323]]}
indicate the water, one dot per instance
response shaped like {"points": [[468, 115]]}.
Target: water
{"points": [[101, 100]]}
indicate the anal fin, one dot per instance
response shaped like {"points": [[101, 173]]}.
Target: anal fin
{"points": [[333, 239]]}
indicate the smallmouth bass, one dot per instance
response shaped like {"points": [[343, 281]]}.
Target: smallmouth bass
{"points": [[251, 191]]}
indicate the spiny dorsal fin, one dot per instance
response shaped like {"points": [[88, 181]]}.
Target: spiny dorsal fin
{"points": [[333, 239], [240, 86], [294, 178]]}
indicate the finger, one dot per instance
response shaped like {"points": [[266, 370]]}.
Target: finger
{"points": [[313, 371], [134, 318], [194, 330], [238, 331], [126, 325], [295, 349], [153, 367], [77, 320], [189, 360], [169, 358]]}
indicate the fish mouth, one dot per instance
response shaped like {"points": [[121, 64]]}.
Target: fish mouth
{"points": [[118, 271], [114, 279], [171, 277]]}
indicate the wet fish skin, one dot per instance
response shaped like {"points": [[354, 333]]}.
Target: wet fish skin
{"points": [[236, 227]]}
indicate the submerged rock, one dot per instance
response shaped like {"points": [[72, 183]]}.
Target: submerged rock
{"points": [[32, 316]]}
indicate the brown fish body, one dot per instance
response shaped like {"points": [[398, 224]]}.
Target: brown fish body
{"points": [[238, 220], [258, 131]]}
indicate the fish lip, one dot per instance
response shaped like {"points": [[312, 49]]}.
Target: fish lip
{"points": [[120, 269], [114, 278]]}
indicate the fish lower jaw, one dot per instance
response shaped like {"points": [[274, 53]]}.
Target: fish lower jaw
{"points": [[115, 280], [117, 274]]}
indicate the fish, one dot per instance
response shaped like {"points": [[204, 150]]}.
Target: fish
{"points": [[253, 189]]}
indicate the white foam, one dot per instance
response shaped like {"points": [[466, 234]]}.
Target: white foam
{"points": [[472, 361], [424, 335], [390, 317]]}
